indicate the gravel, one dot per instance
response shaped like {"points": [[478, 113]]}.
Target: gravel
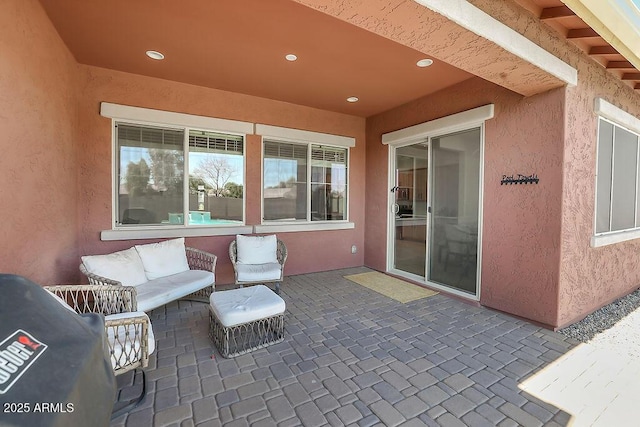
{"points": [[603, 318]]}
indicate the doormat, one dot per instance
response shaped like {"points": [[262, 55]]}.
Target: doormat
{"points": [[391, 287]]}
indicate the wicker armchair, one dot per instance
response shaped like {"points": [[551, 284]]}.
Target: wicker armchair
{"points": [[281, 254], [129, 333]]}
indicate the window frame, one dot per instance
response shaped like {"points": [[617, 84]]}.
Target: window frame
{"points": [[618, 118], [308, 184], [309, 139], [142, 117]]}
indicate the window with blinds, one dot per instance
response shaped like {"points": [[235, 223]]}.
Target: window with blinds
{"points": [[618, 179], [304, 182], [153, 179], [201, 141]]}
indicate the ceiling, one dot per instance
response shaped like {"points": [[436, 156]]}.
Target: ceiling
{"points": [[240, 46]]}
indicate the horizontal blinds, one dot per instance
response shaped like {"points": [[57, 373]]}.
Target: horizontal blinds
{"points": [[200, 141], [284, 150], [328, 154], [134, 136]]}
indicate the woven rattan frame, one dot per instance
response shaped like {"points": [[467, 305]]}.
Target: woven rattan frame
{"points": [[104, 299], [282, 259], [240, 339], [197, 260]]}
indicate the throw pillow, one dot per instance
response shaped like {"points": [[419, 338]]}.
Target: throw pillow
{"points": [[123, 266], [164, 258], [257, 249]]}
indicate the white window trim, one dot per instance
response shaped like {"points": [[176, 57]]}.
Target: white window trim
{"points": [[455, 122], [172, 232], [308, 138], [167, 119], [618, 117], [307, 226], [304, 136]]}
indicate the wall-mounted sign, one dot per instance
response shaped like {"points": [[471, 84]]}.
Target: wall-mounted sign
{"points": [[519, 179]]}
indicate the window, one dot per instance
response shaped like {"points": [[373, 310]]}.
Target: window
{"points": [[617, 201], [165, 179], [304, 182]]}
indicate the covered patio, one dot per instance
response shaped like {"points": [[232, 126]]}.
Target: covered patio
{"points": [[352, 356]]}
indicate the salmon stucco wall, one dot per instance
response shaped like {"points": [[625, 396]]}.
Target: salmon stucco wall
{"points": [[308, 251], [589, 277], [521, 224], [38, 197]]}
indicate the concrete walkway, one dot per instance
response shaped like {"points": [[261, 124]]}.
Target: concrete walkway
{"points": [[354, 357], [598, 382]]}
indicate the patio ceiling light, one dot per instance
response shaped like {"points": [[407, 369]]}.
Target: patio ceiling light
{"points": [[352, 99], [154, 54], [424, 62], [291, 57]]}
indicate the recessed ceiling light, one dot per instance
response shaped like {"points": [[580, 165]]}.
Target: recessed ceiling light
{"points": [[352, 99], [424, 62], [291, 57], [154, 54]]}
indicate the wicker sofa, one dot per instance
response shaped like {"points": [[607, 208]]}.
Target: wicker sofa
{"points": [[159, 272]]}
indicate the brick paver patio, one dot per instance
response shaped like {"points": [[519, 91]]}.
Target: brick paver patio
{"points": [[351, 357]]}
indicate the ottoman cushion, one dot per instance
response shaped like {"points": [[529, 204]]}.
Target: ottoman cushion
{"points": [[238, 306]]}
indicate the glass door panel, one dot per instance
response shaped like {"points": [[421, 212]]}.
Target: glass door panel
{"points": [[410, 208], [455, 200]]}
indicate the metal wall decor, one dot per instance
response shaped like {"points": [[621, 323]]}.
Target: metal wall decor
{"points": [[519, 179]]}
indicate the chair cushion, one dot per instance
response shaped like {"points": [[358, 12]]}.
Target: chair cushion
{"points": [[259, 272], [244, 305], [257, 249], [158, 292], [163, 258], [126, 348], [123, 266]]}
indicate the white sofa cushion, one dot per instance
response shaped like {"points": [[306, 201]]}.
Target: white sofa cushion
{"points": [[123, 266], [257, 249], [163, 258], [244, 305], [126, 348], [158, 292], [259, 272]]}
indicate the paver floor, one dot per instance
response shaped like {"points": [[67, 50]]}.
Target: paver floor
{"points": [[352, 357]]}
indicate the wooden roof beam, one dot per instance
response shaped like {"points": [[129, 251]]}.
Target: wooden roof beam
{"points": [[620, 65], [555, 13], [582, 33], [603, 50], [631, 76]]}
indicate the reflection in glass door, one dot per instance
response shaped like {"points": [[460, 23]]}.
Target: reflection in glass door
{"points": [[410, 208], [455, 201]]}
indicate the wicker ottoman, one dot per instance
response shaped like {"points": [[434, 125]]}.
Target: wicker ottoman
{"points": [[245, 319]]}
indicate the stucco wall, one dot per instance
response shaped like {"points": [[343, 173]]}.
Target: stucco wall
{"points": [[38, 119], [521, 223], [589, 277], [308, 251]]}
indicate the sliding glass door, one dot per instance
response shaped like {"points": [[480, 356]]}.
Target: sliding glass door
{"points": [[436, 210], [410, 208], [455, 207]]}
